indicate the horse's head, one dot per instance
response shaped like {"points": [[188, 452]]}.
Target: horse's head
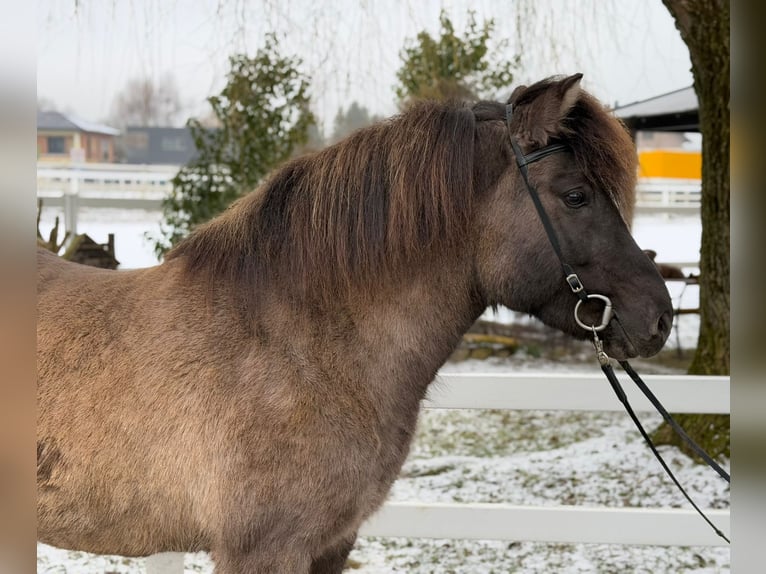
{"points": [[587, 190]]}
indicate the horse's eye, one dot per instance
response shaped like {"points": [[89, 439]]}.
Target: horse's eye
{"points": [[575, 198]]}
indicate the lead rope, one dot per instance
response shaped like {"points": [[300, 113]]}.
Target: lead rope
{"points": [[606, 367], [578, 289], [669, 419]]}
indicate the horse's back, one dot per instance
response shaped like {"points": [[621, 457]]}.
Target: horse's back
{"points": [[75, 303], [52, 269]]}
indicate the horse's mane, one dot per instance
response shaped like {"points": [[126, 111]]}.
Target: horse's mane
{"points": [[352, 213]]}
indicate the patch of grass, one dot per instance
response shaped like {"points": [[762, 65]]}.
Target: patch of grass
{"points": [[415, 471], [492, 433], [352, 564], [534, 351]]}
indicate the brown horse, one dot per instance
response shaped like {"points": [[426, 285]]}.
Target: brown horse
{"points": [[255, 395]]}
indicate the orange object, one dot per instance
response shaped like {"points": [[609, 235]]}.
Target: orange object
{"points": [[681, 164]]}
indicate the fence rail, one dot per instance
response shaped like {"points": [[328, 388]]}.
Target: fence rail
{"points": [[560, 524], [564, 524], [666, 191], [575, 392]]}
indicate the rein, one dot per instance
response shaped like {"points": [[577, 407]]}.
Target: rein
{"points": [[522, 161]]}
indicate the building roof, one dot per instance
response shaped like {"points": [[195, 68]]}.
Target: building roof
{"points": [[675, 111], [56, 121]]}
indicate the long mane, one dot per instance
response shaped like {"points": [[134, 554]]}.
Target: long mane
{"points": [[349, 213]]}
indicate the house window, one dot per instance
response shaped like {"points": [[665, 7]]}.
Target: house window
{"points": [[137, 140], [56, 144], [173, 143]]}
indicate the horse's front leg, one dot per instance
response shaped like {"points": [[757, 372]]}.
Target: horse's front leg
{"points": [[333, 560]]}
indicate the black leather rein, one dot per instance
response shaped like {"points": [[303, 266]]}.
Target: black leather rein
{"points": [[578, 289]]}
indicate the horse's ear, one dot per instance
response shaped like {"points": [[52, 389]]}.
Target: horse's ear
{"points": [[516, 93], [542, 108], [570, 92]]}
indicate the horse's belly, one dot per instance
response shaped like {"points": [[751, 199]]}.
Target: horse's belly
{"points": [[97, 497], [70, 518]]}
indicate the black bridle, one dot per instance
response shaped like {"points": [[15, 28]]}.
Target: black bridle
{"points": [[576, 286]]}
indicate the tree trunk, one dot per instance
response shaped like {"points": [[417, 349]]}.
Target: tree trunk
{"points": [[704, 27]]}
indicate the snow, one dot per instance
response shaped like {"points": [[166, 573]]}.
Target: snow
{"points": [[675, 237], [519, 457], [130, 228]]}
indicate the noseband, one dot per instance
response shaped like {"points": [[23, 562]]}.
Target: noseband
{"points": [[576, 286]]}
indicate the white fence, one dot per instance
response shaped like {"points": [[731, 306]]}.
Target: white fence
{"points": [[567, 524], [668, 194], [103, 185]]}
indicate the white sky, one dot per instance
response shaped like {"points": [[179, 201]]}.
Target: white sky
{"points": [[87, 51]]}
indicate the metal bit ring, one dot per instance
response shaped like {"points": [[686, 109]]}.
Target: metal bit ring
{"points": [[606, 316]]}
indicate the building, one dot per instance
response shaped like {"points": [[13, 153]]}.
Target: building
{"points": [[662, 127], [676, 111], [65, 138], [156, 146]]}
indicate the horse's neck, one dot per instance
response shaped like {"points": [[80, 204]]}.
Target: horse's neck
{"points": [[415, 331], [393, 342]]}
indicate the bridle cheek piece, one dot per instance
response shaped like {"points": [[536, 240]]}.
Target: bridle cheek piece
{"points": [[572, 280], [576, 286]]}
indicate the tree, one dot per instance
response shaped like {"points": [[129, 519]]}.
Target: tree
{"points": [[352, 119], [144, 102], [704, 27], [45, 104], [262, 116], [450, 66]]}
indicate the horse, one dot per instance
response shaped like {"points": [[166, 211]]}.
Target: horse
{"points": [[666, 271], [256, 393]]}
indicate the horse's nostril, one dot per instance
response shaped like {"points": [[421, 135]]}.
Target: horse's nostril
{"points": [[665, 324]]}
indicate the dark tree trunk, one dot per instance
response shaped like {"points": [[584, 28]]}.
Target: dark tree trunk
{"points": [[704, 27]]}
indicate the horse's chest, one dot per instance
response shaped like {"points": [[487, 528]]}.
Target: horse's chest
{"points": [[387, 461]]}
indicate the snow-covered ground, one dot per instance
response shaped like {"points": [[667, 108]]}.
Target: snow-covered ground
{"points": [[129, 226], [531, 457]]}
